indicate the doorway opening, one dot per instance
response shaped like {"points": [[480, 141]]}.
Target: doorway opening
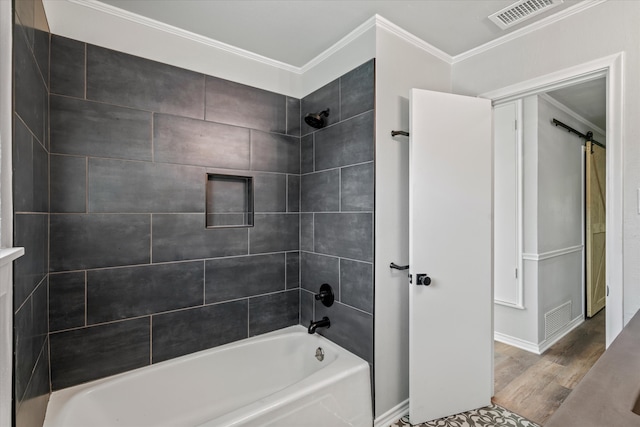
{"points": [[558, 279]]}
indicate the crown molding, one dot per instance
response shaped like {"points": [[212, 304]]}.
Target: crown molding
{"points": [[560, 106], [412, 39], [157, 25], [376, 21], [559, 16]]}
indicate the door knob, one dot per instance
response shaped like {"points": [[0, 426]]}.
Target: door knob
{"points": [[423, 279]]}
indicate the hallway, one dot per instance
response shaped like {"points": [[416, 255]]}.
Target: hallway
{"points": [[534, 385]]}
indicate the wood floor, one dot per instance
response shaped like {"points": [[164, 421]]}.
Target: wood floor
{"points": [[535, 385]]}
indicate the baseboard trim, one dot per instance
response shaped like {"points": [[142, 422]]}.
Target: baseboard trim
{"points": [[516, 342], [392, 415], [545, 344]]}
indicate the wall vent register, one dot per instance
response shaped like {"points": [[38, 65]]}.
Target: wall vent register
{"points": [[229, 200]]}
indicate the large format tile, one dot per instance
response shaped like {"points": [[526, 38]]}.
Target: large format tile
{"points": [[187, 331], [197, 142], [41, 51], [31, 406], [240, 105], [30, 92], [318, 269], [67, 295], [119, 293], [350, 328], [40, 178], [122, 79], [239, 277], [320, 192], [22, 162], [293, 270], [126, 186], [67, 66], [270, 192], [81, 241], [93, 129], [30, 232], [293, 116], [356, 284], [184, 236], [306, 232], [306, 154], [356, 188], [82, 355], [274, 233], [327, 96], [307, 301], [275, 153], [30, 336], [348, 235], [271, 312], [348, 142], [293, 193], [68, 184], [357, 90]]}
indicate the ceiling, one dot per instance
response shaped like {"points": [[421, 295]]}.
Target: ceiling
{"points": [[294, 32], [588, 99]]}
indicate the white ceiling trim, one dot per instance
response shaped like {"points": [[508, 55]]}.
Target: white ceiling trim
{"points": [[563, 14], [412, 39], [569, 111], [374, 21], [152, 23], [379, 22]]}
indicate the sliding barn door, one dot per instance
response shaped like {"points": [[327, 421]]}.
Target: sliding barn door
{"points": [[596, 228], [450, 306]]}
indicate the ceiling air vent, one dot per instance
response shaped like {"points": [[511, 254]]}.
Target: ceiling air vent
{"points": [[521, 11]]}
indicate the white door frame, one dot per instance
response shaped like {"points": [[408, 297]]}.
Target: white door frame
{"points": [[610, 67]]}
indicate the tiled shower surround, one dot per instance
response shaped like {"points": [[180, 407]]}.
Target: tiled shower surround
{"points": [[135, 276], [336, 205]]}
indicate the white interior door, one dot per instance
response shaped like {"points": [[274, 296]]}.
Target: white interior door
{"points": [[450, 208]]}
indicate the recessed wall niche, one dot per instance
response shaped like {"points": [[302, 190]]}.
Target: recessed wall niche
{"points": [[229, 201]]}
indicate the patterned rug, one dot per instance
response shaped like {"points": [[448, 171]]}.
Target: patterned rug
{"points": [[490, 416]]}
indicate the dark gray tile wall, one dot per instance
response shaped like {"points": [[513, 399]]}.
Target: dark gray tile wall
{"points": [[136, 277], [30, 149], [130, 257], [337, 209]]}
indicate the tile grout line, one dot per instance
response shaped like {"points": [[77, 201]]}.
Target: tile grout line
{"points": [[86, 298], [204, 282], [86, 71], [151, 339], [150, 238]]}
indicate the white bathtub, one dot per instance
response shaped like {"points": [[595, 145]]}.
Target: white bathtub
{"points": [[269, 380]]}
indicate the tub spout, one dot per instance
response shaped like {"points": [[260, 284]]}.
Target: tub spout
{"points": [[324, 323]]}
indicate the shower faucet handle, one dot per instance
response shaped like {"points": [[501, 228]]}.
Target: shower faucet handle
{"points": [[325, 296]]}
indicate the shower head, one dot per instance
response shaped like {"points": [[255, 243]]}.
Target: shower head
{"points": [[316, 120]]}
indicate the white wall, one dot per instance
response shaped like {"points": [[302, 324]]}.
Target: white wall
{"points": [[608, 28], [513, 325], [6, 282], [560, 213], [400, 66], [6, 209]]}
